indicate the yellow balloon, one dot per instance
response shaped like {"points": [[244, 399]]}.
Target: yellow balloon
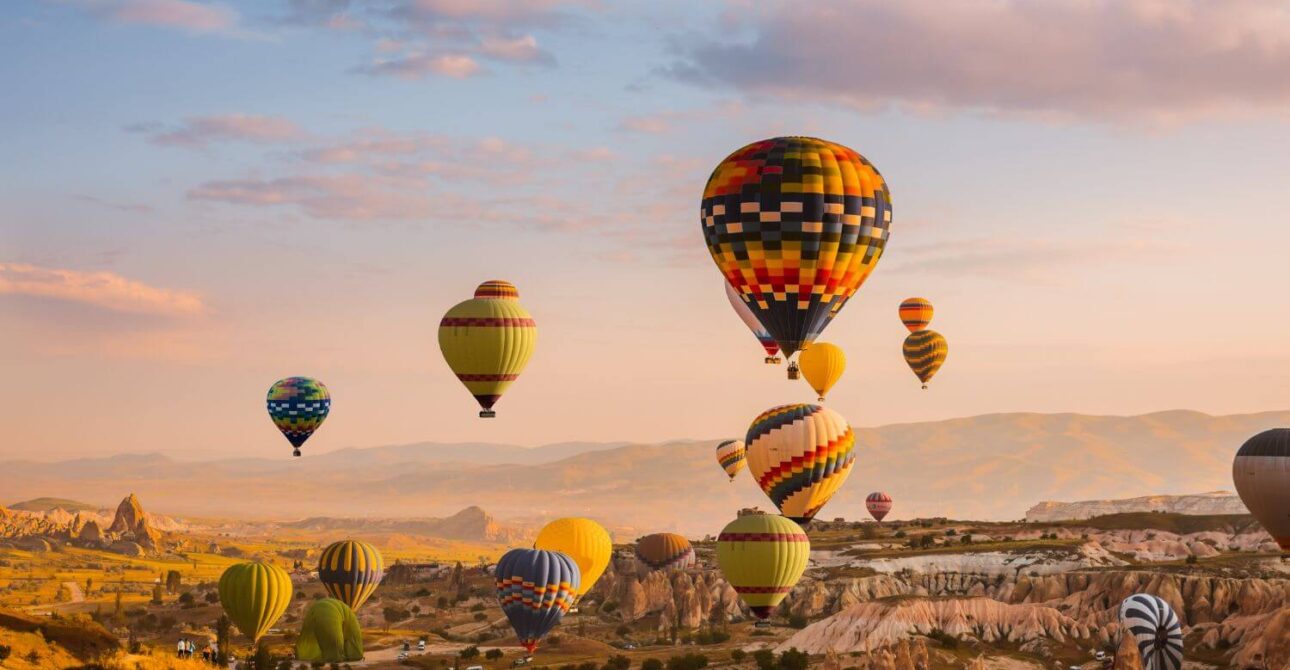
{"points": [[254, 595], [487, 341], [762, 556], [583, 540], [822, 364]]}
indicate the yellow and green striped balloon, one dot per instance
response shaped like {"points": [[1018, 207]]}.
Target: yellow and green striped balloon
{"points": [[925, 352], [487, 341], [254, 595], [762, 556], [351, 570]]}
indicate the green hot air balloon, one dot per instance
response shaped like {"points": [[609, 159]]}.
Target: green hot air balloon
{"points": [[254, 595], [330, 634]]}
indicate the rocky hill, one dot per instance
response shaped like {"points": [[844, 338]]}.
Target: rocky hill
{"points": [[129, 531], [984, 467], [471, 523], [1215, 502]]}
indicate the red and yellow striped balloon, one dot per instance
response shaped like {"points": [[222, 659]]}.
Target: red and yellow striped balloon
{"points": [[800, 455]]}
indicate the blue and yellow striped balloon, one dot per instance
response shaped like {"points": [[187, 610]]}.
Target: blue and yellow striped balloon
{"points": [[298, 406], [351, 570], [535, 588]]}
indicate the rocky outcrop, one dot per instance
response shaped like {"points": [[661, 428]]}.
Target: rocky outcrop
{"points": [[875, 625], [1216, 502], [90, 533], [127, 548], [129, 514]]}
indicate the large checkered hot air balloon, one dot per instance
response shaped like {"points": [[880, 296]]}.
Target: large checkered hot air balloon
{"points": [[795, 225], [762, 556], [535, 588], [1261, 472], [800, 455], [487, 341], [745, 314], [1155, 629], [351, 570], [298, 406], [925, 352]]}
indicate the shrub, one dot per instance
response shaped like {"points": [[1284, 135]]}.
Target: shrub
{"points": [[187, 599], [1191, 559], [651, 664], [480, 616], [794, 660], [493, 654], [945, 639], [553, 641], [469, 652], [738, 655], [589, 665], [609, 607], [5, 651], [797, 621], [623, 630], [951, 532], [618, 662], [687, 662], [966, 539], [765, 659], [442, 602], [899, 534]]}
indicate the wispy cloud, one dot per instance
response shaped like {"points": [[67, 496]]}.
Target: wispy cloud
{"points": [[199, 132], [1125, 61], [105, 290], [1036, 260], [415, 64], [131, 207], [192, 17]]}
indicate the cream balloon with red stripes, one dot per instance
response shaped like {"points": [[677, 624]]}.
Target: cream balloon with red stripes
{"points": [[800, 455]]}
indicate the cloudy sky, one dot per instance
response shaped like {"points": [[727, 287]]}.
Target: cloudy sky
{"points": [[197, 198]]}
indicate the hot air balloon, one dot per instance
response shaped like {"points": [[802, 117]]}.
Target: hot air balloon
{"points": [[795, 225], [329, 634], [583, 540], [822, 365], [1155, 629], [925, 352], [763, 337], [535, 588], [915, 313], [350, 571], [878, 504], [298, 406], [487, 341], [254, 595], [800, 455], [762, 556], [1261, 472], [665, 551], [730, 454]]}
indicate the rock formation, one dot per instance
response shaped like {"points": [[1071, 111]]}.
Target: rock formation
{"points": [[1216, 502]]}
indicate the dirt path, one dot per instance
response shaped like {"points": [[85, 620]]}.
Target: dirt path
{"points": [[78, 596]]}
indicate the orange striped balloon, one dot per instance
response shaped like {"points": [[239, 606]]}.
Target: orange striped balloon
{"points": [[915, 313]]}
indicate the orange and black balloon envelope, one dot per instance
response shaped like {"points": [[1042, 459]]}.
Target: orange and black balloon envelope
{"points": [[795, 225], [915, 313], [665, 551], [925, 352]]}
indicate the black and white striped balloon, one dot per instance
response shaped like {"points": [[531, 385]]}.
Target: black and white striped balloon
{"points": [[1155, 629]]}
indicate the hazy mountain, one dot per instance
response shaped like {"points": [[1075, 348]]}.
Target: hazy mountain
{"points": [[985, 467], [51, 504]]}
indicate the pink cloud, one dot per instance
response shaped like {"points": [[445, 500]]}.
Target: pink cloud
{"points": [[202, 131], [523, 49], [653, 124], [353, 197], [1093, 59], [105, 290], [192, 17], [417, 65]]}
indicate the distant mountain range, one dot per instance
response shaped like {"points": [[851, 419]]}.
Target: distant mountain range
{"points": [[985, 467]]}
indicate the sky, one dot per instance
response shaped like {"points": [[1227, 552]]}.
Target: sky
{"points": [[198, 198]]}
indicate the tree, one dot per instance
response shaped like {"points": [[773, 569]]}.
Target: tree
{"points": [[223, 631], [765, 659], [393, 614], [797, 621], [442, 602], [173, 581], [687, 662], [5, 651], [469, 652], [651, 664], [263, 659], [493, 654], [618, 662], [187, 600], [156, 594], [623, 630], [738, 655], [793, 660], [89, 585]]}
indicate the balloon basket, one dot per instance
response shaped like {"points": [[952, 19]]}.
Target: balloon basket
{"points": [[820, 399], [773, 360], [924, 387], [793, 371], [489, 414], [295, 452]]}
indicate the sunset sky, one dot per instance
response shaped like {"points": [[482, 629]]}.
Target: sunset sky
{"points": [[198, 198]]}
